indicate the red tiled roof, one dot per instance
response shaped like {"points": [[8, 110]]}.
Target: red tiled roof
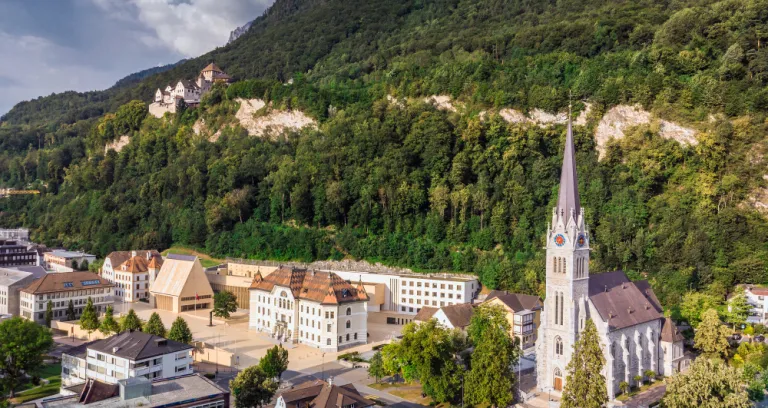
{"points": [[136, 264], [318, 286], [55, 282]]}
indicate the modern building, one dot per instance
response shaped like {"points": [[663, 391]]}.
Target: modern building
{"points": [[237, 285], [16, 253], [132, 273], [452, 317], [15, 234], [60, 289], [627, 314], [756, 297], [523, 314], [315, 308], [181, 285], [187, 391], [321, 394], [127, 355], [11, 282], [60, 260]]}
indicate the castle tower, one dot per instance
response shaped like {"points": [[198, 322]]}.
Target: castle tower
{"points": [[567, 278]]}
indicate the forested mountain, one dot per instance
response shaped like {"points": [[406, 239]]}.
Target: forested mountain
{"points": [[387, 177]]}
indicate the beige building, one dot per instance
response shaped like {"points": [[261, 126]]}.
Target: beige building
{"points": [[181, 285], [134, 275], [523, 314], [60, 289], [237, 285], [315, 308], [67, 261]]}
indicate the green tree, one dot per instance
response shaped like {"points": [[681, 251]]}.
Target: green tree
{"points": [[695, 304], [585, 385], [490, 379], [108, 324], [275, 361], [130, 322], [738, 310], [155, 326], [89, 320], [48, 313], [23, 344], [376, 369], [707, 383], [253, 388], [180, 331], [711, 336], [71, 311], [624, 387], [224, 303]]}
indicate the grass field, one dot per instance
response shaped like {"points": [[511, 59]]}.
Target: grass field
{"points": [[205, 260], [52, 373], [410, 392]]}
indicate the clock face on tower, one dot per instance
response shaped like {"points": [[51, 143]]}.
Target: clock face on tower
{"points": [[581, 240], [559, 240]]}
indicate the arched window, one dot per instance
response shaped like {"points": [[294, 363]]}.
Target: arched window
{"points": [[558, 373], [561, 307], [558, 346], [556, 265], [355, 336], [557, 307], [347, 336], [349, 324]]}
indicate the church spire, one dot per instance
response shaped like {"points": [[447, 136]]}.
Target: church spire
{"points": [[568, 196]]}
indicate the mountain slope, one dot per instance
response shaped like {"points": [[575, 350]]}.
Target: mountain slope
{"points": [[387, 177]]}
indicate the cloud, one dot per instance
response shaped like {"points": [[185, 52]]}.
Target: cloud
{"points": [[189, 27]]}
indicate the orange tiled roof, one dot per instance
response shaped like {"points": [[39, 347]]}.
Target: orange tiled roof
{"points": [[136, 264], [318, 286], [67, 281], [155, 263]]}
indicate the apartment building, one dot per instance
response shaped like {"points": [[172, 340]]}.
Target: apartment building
{"points": [[127, 355], [315, 308], [523, 315], [16, 253], [757, 298], [60, 260], [59, 289]]}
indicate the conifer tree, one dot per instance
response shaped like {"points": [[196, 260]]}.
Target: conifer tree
{"points": [[48, 313], [108, 324], [180, 331], [585, 384], [376, 369], [131, 321], [155, 325], [712, 336], [71, 311], [89, 320]]}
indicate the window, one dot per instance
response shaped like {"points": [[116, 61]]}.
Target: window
{"points": [[328, 329], [339, 339], [558, 346], [328, 341], [181, 368], [349, 324], [68, 284], [349, 311], [355, 336], [347, 336], [100, 357]]}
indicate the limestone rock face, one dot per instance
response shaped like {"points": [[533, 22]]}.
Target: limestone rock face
{"points": [[260, 123], [117, 144]]}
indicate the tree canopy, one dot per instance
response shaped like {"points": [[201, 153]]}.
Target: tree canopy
{"points": [[253, 388], [708, 383], [224, 303], [180, 331], [584, 383], [274, 362], [23, 343], [712, 336], [155, 326]]}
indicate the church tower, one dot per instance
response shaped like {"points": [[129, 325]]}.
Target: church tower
{"points": [[565, 306]]}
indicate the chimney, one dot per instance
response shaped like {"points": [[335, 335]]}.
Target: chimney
{"points": [[330, 381], [606, 288]]}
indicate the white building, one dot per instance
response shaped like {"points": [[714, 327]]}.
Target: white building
{"points": [[315, 308], [132, 272], [627, 314], [127, 355], [451, 317], [756, 297], [11, 283], [60, 260], [191, 92], [60, 289]]}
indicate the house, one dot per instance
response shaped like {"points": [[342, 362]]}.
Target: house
{"points": [[756, 297], [187, 391], [60, 289], [11, 283], [127, 355], [132, 272], [627, 315], [452, 317], [60, 260], [523, 314], [16, 253], [311, 307], [321, 394], [181, 285]]}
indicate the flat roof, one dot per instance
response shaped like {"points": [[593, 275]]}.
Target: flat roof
{"points": [[69, 254], [8, 276], [171, 391]]}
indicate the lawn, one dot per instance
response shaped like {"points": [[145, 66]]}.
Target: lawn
{"points": [[635, 391], [205, 259], [52, 373], [407, 391]]}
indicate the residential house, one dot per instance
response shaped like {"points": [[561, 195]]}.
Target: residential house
{"points": [[321, 394], [757, 297], [523, 315], [452, 317]]}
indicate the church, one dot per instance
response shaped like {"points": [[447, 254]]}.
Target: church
{"points": [[634, 334]]}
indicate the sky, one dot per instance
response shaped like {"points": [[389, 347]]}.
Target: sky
{"points": [[50, 46]]}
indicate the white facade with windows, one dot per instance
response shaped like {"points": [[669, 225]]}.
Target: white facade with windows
{"points": [[756, 297], [60, 289]]}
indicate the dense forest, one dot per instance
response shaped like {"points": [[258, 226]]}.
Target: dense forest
{"points": [[411, 185]]}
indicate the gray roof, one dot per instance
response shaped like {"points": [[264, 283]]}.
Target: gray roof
{"points": [[459, 314], [69, 254], [80, 351], [568, 197], [180, 257], [137, 345], [36, 271], [621, 302], [670, 333], [9, 277], [516, 301]]}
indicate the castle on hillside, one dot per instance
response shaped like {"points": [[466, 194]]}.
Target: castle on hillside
{"points": [[190, 91], [635, 336]]}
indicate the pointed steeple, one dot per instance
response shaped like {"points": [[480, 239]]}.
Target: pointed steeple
{"points": [[568, 196]]}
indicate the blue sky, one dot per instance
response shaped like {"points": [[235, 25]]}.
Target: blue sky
{"points": [[49, 46]]}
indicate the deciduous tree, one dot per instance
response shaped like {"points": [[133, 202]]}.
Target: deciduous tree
{"points": [[89, 320], [108, 324], [376, 368], [275, 361], [130, 321], [708, 383], [224, 303], [48, 313], [22, 346], [252, 388], [71, 311], [711, 336]]}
